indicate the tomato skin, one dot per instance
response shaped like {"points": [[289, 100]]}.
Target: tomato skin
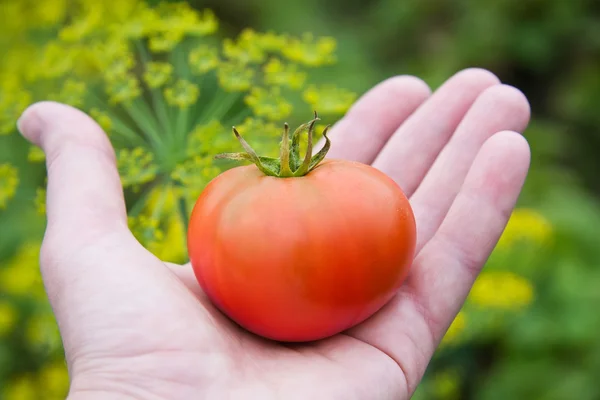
{"points": [[303, 258]]}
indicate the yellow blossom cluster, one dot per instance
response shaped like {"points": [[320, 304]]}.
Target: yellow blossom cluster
{"points": [[9, 179], [503, 289], [24, 309], [163, 84]]}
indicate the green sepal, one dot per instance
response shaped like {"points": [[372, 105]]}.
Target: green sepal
{"points": [[320, 156], [289, 163], [269, 163]]}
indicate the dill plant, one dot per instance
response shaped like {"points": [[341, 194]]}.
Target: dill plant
{"points": [[167, 89]]}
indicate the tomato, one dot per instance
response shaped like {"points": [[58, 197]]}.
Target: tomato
{"points": [[301, 258]]}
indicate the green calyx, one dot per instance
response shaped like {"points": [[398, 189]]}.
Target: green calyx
{"points": [[289, 164]]}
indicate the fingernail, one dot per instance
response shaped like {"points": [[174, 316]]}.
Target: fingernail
{"points": [[29, 124], [19, 124]]}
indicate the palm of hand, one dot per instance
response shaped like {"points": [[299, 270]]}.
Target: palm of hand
{"points": [[134, 327]]}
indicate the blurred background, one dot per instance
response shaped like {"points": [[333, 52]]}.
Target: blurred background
{"points": [[530, 328]]}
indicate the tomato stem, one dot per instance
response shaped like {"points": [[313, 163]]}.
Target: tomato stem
{"points": [[284, 154], [288, 164]]}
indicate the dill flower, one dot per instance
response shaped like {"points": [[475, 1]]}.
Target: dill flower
{"points": [[526, 225], [53, 380], [501, 289], [446, 385], [455, 329], [157, 74], [167, 90], [21, 388], [329, 99], [8, 317], [40, 201], [9, 179]]}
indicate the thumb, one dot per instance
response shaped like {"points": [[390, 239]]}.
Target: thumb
{"points": [[84, 193], [85, 202], [97, 276]]}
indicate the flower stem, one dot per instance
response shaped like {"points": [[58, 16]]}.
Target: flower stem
{"points": [[147, 128], [120, 126], [158, 103], [181, 129], [183, 212], [141, 201]]}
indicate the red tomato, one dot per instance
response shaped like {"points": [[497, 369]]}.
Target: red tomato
{"points": [[301, 258]]}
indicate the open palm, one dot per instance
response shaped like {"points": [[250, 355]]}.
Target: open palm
{"points": [[134, 327]]}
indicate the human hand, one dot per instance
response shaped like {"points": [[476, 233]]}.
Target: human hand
{"points": [[135, 327]]}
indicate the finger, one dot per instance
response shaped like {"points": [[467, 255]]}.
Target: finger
{"points": [[84, 194], [410, 327], [366, 127], [498, 108], [410, 152]]}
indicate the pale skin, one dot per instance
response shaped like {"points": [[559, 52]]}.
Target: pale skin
{"points": [[134, 327]]}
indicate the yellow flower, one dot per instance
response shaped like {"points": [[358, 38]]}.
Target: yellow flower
{"points": [[103, 119], [157, 74], [203, 59], [309, 51], [527, 225], [54, 380], [165, 41], [159, 226], [235, 77], [271, 42], [40, 201], [73, 93], [136, 166], [261, 135], [35, 154], [102, 56], [8, 317], [57, 59], [146, 230], [173, 247], [329, 99], [501, 289], [245, 50], [182, 94], [124, 90], [176, 20], [446, 385], [268, 103], [83, 26], [112, 55], [49, 12], [13, 101], [41, 331], [21, 275], [194, 174], [456, 328], [279, 74], [208, 139], [9, 180], [182, 17], [137, 22], [22, 388], [119, 67]]}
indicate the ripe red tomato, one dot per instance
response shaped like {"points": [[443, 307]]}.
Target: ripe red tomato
{"points": [[301, 258]]}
